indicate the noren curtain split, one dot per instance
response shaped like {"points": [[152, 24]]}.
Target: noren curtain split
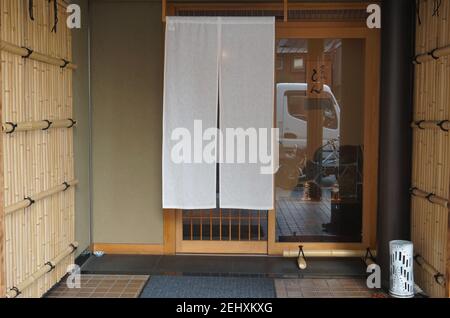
{"points": [[219, 73]]}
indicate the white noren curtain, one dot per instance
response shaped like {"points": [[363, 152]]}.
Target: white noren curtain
{"points": [[246, 101], [190, 94], [211, 63]]}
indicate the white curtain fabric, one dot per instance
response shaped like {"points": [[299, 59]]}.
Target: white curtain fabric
{"points": [[246, 101], [203, 54], [190, 93]]}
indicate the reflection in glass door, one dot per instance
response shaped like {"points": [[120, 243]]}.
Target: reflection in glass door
{"points": [[320, 114]]}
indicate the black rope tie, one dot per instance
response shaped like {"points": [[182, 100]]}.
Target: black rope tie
{"points": [[437, 7], [433, 55], [13, 125], [411, 191], [72, 123], [16, 290], [66, 62], [437, 277], [429, 197], [416, 61], [441, 125], [30, 200], [55, 12], [29, 52], [66, 185], [52, 266], [49, 124], [30, 9], [73, 247], [419, 124], [369, 255], [301, 252]]}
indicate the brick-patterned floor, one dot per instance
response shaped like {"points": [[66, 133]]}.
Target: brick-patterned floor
{"points": [[301, 217], [102, 286], [324, 288]]}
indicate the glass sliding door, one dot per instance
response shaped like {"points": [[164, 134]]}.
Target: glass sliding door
{"points": [[320, 115]]}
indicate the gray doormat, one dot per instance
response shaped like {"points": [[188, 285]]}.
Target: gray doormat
{"points": [[208, 287]]}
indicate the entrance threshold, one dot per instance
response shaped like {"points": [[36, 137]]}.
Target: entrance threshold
{"points": [[223, 265]]}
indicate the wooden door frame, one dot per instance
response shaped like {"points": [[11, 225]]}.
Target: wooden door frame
{"points": [[170, 9], [345, 30]]}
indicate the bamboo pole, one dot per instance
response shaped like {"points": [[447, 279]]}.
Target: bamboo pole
{"points": [[39, 41], [46, 268], [433, 55], [327, 253], [6, 82], [19, 111], [432, 198], [10, 127], [302, 255], [24, 52], [2, 215], [40, 196], [438, 277]]}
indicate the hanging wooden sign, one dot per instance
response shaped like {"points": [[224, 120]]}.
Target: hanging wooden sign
{"points": [[318, 74]]}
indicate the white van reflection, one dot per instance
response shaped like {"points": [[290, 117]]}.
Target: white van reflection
{"points": [[292, 107]]}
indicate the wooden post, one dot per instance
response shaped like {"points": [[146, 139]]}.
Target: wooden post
{"points": [[315, 79], [285, 10], [315, 114], [169, 232], [164, 10]]}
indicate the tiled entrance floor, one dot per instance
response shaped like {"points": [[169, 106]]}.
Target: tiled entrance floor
{"points": [[129, 286], [125, 276], [102, 286], [325, 288]]}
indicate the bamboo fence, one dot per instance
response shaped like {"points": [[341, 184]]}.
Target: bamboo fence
{"points": [[431, 148], [38, 167]]}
